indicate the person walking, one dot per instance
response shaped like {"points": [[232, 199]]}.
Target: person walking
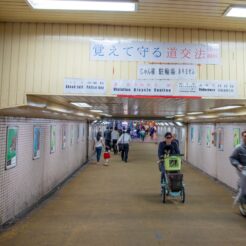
{"points": [[98, 145], [166, 148], [115, 137], [175, 140], [107, 138], [124, 140], [238, 160], [142, 134]]}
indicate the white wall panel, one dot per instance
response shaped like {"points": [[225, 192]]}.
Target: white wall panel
{"points": [[211, 160], [25, 184]]}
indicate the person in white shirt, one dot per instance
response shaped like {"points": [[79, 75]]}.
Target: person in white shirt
{"points": [[115, 136], [124, 140], [98, 145]]}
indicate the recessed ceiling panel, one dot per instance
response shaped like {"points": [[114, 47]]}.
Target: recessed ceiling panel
{"points": [[161, 13]]}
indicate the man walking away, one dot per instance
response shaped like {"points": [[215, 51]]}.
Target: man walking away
{"points": [[124, 140], [115, 137]]}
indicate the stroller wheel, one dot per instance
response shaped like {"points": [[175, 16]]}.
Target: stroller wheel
{"points": [[242, 207], [182, 194]]}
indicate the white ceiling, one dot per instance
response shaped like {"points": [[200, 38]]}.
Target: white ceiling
{"points": [[157, 13]]}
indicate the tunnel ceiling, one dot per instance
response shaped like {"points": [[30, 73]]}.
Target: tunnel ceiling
{"points": [[160, 13], [141, 108]]}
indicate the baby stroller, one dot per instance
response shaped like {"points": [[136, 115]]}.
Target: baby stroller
{"points": [[173, 185]]}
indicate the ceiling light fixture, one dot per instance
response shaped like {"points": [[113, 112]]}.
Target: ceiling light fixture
{"points": [[236, 11], [207, 116], [37, 105], [178, 123], [96, 111], [125, 6], [194, 113], [226, 107], [81, 105]]}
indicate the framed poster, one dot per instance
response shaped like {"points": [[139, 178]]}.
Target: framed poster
{"points": [[236, 137], [52, 138], [200, 135], [220, 139], [81, 132], [192, 134], [77, 131], [11, 148], [64, 137], [71, 135], [208, 137], [36, 142]]}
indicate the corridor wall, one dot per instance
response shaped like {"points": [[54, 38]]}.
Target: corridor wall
{"points": [[206, 153], [31, 179], [35, 58]]}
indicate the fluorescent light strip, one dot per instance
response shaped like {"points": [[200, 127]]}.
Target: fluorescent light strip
{"points": [[81, 105], [236, 12], [96, 111], [195, 113], [179, 123], [227, 107], [83, 5]]}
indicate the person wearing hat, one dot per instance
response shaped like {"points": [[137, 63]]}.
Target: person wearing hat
{"points": [[166, 147], [124, 140]]}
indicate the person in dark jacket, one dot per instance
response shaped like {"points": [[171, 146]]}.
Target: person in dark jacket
{"points": [[238, 160], [107, 138], [175, 140], [166, 148]]}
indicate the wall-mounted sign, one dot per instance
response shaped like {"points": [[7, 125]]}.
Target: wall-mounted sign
{"points": [[206, 88], [166, 71], [175, 88], [52, 139], [84, 86], [142, 87], [36, 142], [236, 137], [11, 148], [64, 136], [155, 52]]}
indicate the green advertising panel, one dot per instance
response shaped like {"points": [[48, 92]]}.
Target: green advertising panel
{"points": [[52, 139], [208, 137], [64, 137], [11, 148], [36, 142], [236, 137]]}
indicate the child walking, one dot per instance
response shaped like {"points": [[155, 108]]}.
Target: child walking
{"points": [[106, 156]]}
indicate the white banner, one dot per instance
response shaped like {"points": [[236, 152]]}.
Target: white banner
{"points": [[84, 86], [205, 88], [166, 71], [142, 87], [155, 52]]}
